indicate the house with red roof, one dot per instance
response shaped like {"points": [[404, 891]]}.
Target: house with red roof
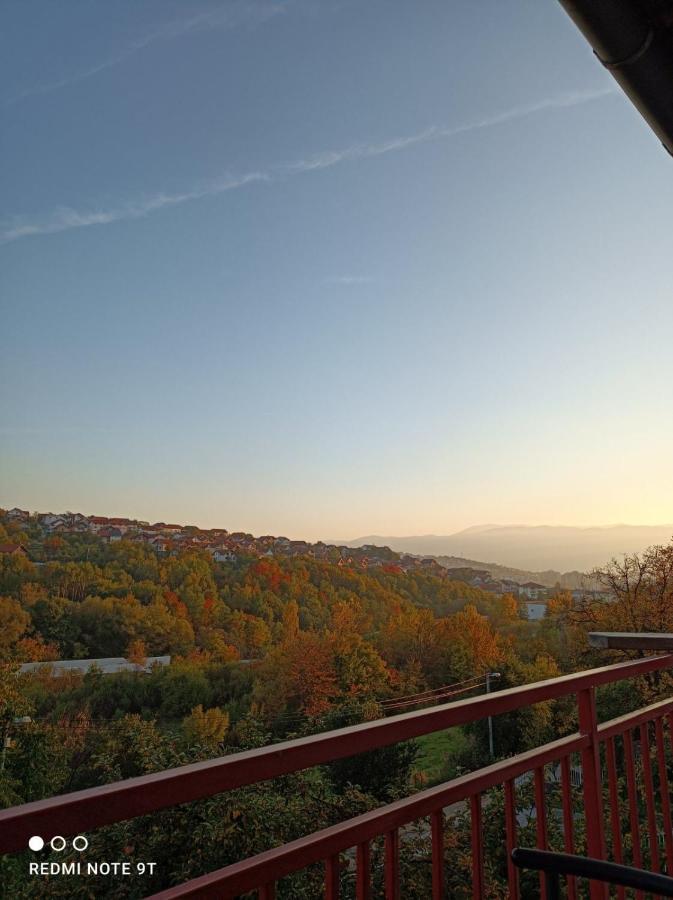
{"points": [[13, 550]]}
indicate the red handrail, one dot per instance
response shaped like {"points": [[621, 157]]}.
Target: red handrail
{"points": [[280, 861], [82, 810]]}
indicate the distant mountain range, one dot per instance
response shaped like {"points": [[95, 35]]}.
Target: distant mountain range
{"points": [[531, 548]]}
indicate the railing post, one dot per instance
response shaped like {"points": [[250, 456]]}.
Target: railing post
{"points": [[437, 831], [591, 783]]}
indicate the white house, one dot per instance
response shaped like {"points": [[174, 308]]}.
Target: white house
{"points": [[535, 609], [221, 554], [51, 521], [533, 590], [18, 515]]}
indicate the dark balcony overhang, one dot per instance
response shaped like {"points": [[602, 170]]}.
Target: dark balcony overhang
{"points": [[631, 640], [633, 39]]}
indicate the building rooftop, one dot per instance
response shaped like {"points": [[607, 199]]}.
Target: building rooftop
{"points": [[109, 665]]}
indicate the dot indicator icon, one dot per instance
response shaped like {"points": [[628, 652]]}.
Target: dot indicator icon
{"points": [[36, 843]]}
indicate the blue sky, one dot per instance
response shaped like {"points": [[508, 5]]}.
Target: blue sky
{"points": [[326, 269]]}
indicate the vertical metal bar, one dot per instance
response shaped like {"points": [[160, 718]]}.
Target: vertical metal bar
{"points": [[332, 878], [568, 822], [615, 814], [648, 785], [632, 792], [553, 887], [665, 796], [392, 873], [510, 839], [478, 889], [437, 830], [591, 783], [490, 718], [268, 891], [540, 821], [540, 809], [362, 879]]}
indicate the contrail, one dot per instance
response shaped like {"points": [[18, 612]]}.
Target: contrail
{"points": [[66, 218], [229, 17]]}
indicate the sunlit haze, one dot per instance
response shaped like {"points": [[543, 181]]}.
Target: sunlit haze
{"points": [[329, 269]]}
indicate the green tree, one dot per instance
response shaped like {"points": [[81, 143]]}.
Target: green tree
{"points": [[207, 727], [14, 623]]}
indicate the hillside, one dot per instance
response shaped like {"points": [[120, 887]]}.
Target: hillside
{"points": [[202, 650], [549, 577]]}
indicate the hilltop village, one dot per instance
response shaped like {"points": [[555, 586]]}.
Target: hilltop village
{"points": [[223, 546]]}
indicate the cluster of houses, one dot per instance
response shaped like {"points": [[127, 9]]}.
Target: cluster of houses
{"points": [[532, 595], [481, 578], [223, 546]]}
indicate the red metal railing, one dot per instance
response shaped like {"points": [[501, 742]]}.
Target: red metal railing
{"points": [[593, 742]]}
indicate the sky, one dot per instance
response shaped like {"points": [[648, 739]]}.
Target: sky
{"points": [[325, 269]]}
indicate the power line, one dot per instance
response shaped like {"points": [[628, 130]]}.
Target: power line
{"points": [[430, 693], [444, 696]]}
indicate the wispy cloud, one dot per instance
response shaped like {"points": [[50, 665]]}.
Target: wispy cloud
{"points": [[436, 132], [349, 279], [66, 218], [229, 16]]}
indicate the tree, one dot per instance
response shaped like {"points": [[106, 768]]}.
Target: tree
{"points": [[639, 598], [640, 592], [300, 677], [360, 669], [409, 637], [469, 646], [207, 727], [290, 621], [509, 607], [14, 570], [530, 726], [34, 649], [384, 773], [136, 653], [13, 705], [14, 622]]}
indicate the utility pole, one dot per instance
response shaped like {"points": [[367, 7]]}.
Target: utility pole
{"points": [[490, 675]]}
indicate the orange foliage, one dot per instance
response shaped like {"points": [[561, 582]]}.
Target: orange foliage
{"points": [[469, 637], [270, 571], [509, 606], [34, 649], [312, 674], [176, 604], [300, 675]]}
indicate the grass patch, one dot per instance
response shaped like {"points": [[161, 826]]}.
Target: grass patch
{"points": [[434, 749]]}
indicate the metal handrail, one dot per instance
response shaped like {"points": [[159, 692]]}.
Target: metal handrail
{"points": [[244, 876], [554, 865], [91, 808]]}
